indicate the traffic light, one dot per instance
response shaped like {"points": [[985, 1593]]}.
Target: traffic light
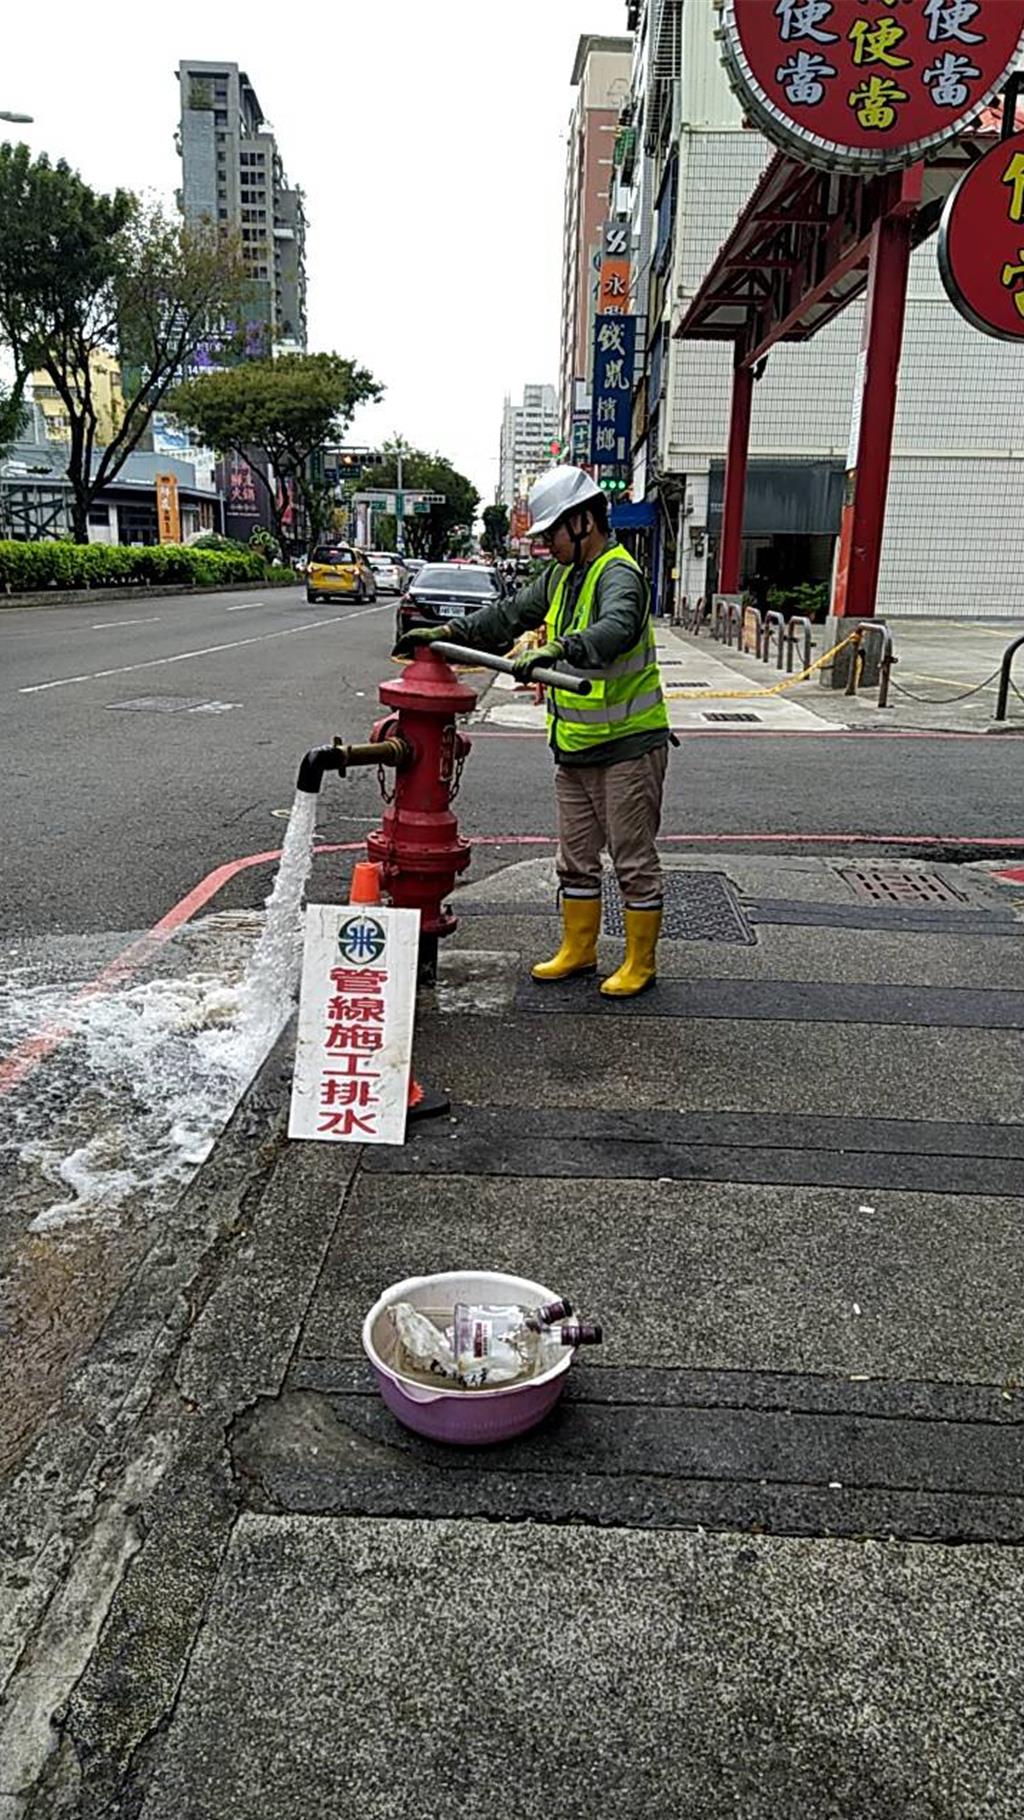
{"points": [[351, 463], [556, 448], [613, 481]]}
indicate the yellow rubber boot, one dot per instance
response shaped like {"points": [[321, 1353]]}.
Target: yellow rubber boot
{"points": [[639, 968], [581, 924]]}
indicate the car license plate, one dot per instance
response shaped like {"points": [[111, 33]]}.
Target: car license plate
{"points": [[448, 611]]}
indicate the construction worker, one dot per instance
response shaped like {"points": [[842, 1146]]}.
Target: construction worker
{"points": [[611, 746]]}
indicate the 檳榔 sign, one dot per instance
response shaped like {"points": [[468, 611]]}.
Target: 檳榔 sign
{"points": [[612, 409], [868, 84], [354, 1050], [981, 242]]}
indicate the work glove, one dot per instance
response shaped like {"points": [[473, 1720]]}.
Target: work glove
{"points": [[540, 658], [409, 642]]}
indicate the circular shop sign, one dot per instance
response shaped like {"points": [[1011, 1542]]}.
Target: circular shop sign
{"points": [[868, 85], [981, 242]]}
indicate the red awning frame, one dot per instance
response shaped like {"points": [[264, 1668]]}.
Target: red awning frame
{"points": [[800, 250]]}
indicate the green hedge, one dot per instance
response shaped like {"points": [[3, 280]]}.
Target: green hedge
{"points": [[808, 597], [28, 567]]}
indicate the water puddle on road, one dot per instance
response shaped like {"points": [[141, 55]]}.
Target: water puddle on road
{"points": [[132, 1102]]}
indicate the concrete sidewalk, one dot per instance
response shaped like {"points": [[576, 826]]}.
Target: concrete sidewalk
{"points": [[718, 689], [945, 679], [764, 1561]]}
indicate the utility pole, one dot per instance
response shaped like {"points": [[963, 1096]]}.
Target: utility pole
{"points": [[399, 504]]}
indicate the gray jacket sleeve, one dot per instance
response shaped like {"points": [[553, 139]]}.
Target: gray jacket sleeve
{"points": [[620, 609], [497, 627]]}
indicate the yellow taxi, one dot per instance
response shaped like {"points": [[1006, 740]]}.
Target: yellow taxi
{"points": [[339, 568]]}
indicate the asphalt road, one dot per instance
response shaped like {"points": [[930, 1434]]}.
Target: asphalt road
{"points": [[114, 812]]}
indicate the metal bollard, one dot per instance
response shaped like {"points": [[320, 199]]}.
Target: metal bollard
{"points": [[801, 620], [774, 622], [1002, 700]]}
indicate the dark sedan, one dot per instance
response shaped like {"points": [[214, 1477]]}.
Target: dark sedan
{"points": [[447, 591]]}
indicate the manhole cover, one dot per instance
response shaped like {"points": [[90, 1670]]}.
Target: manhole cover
{"points": [[174, 704], [699, 907], [710, 715], [159, 704], [894, 885]]}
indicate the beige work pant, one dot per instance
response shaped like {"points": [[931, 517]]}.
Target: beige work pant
{"points": [[617, 807]]}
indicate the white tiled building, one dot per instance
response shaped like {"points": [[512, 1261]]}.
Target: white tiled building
{"points": [[954, 537], [527, 432]]}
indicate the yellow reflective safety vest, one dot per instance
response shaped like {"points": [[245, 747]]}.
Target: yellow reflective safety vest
{"points": [[625, 696]]}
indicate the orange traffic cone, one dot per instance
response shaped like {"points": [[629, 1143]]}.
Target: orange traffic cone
{"points": [[365, 888]]}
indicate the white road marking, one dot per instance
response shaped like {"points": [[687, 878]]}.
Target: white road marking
{"points": [[248, 607], [154, 663], [107, 625]]}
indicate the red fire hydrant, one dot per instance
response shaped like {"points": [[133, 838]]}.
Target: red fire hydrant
{"points": [[418, 844], [417, 847]]}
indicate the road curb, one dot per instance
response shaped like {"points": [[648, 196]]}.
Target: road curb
{"points": [[74, 597]]}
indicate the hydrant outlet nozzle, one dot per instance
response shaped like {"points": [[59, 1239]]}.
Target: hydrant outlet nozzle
{"points": [[394, 752], [315, 762]]}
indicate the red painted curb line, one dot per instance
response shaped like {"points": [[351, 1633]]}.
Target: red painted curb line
{"points": [[875, 735], [35, 1049], [856, 840]]}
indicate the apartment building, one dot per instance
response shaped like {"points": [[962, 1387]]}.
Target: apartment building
{"points": [[528, 431], [601, 79], [233, 174]]}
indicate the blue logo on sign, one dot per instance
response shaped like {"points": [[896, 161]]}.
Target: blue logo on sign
{"points": [[361, 939]]}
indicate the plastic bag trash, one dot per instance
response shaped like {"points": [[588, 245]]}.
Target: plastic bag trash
{"points": [[422, 1348]]}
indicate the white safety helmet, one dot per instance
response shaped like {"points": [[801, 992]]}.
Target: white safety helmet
{"points": [[556, 493]]}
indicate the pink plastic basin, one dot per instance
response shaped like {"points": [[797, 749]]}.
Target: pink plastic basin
{"points": [[470, 1418]]}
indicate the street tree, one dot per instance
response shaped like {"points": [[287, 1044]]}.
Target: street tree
{"points": [[85, 275], [429, 535], [279, 416], [10, 417], [495, 532]]}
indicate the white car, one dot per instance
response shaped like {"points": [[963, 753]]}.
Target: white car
{"points": [[389, 571]]}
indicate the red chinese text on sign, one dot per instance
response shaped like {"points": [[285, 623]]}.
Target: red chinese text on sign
{"points": [[350, 1107], [868, 84], [981, 242]]}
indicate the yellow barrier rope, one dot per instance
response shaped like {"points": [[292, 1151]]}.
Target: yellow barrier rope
{"points": [[756, 694]]}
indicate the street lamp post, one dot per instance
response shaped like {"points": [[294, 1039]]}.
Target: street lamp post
{"points": [[18, 119]]}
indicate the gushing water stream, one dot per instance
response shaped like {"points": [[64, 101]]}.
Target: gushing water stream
{"points": [[270, 987], [157, 1067]]}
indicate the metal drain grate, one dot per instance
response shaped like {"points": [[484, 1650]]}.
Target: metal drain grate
{"points": [[712, 715], [896, 885], [699, 907]]}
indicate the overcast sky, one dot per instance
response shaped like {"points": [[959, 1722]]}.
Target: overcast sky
{"points": [[430, 141]]}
